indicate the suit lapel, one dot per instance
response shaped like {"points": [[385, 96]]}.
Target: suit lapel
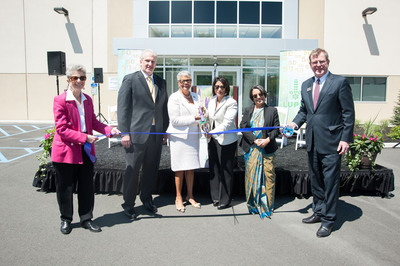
{"points": [[212, 106], [73, 113], [185, 103], [156, 83], [265, 115], [223, 101], [309, 89]]}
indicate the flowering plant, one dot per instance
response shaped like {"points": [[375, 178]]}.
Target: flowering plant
{"points": [[47, 143], [363, 146]]}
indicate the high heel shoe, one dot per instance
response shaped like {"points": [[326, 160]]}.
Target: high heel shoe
{"points": [[195, 204], [180, 208]]}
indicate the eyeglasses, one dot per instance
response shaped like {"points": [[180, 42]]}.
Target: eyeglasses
{"points": [[185, 81], [255, 96], [219, 87], [321, 62], [75, 78]]}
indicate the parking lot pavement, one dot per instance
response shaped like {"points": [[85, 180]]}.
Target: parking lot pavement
{"points": [[20, 140], [366, 232]]}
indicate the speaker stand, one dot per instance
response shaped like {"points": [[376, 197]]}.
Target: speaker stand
{"points": [[100, 116], [58, 85]]}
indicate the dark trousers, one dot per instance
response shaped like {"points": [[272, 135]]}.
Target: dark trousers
{"points": [[147, 156], [325, 176], [221, 159], [68, 176]]}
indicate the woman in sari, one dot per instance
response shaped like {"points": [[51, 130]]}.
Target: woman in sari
{"points": [[259, 147]]}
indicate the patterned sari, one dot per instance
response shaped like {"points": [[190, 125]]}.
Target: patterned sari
{"points": [[260, 174]]}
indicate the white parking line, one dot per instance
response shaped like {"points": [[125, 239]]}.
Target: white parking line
{"points": [[23, 131], [29, 151], [4, 132], [3, 159]]}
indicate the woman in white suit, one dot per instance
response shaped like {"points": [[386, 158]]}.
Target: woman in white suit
{"points": [[222, 111], [184, 119]]}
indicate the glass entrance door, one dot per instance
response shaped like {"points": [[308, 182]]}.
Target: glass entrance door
{"points": [[205, 77], [202, 79]]}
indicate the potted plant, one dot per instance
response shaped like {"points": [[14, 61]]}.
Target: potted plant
{"points": [[363, 151], [43, 158], [367, 143]]}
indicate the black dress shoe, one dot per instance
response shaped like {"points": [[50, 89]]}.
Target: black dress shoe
{"points": [[130, 212], [315, 218], [89, 224], [324, 231], [215, 203], [65, 227], [222, 206], [150, 206]]}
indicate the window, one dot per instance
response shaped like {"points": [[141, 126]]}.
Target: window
{"points": [[215, 19], [181, 31], [204, 12], [249, 32], [226, 12], [181, 12], [254, 70], [374, 89], [158, 12], [355, 84], [273, 81], [159, 31], [226, 31], [368, 89], [271, 32], [249, 12], [254, 62], [271, 12], [203, 31]]}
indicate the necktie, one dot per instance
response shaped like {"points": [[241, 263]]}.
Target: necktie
{"points": [[152, 89], [316, 93], [152, 92]]}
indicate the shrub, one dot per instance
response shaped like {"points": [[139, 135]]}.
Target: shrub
{"points": [[394, 132]]}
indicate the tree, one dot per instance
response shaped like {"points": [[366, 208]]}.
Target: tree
{"points": [[396, 110]]}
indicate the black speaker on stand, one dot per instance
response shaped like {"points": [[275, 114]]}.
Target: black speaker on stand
{"points": [[98, 79], [56, 65]]}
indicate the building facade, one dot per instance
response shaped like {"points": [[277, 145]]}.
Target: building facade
{"points": [[241, 40]]}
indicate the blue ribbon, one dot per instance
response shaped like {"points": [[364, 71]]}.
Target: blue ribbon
{"points": [[215, 133], [87, 148], [287, 130]]}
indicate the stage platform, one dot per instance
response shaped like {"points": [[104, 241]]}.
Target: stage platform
{"points": [[291, 174]]}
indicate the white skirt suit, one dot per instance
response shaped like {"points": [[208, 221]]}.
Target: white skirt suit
{"points": [[184, 148]]}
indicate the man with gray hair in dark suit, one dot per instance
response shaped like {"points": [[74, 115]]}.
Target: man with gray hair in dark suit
{"points": [[328, 108], [142, 107]]}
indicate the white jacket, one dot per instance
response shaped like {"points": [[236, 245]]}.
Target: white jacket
{"points": [[181, 118], [223, 118]]}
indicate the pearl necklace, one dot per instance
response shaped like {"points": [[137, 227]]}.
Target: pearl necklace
{"points": [[187, 96]]}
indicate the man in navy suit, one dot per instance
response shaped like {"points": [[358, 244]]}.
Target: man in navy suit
{"points": [[328, 108], [142, 107]]}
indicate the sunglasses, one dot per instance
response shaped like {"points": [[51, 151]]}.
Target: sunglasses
{"points": [[219, 87], [75, 78], [255, 96], [185, 81]]}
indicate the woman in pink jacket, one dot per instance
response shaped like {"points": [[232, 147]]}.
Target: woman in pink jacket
{"points": [[75, 121]]}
